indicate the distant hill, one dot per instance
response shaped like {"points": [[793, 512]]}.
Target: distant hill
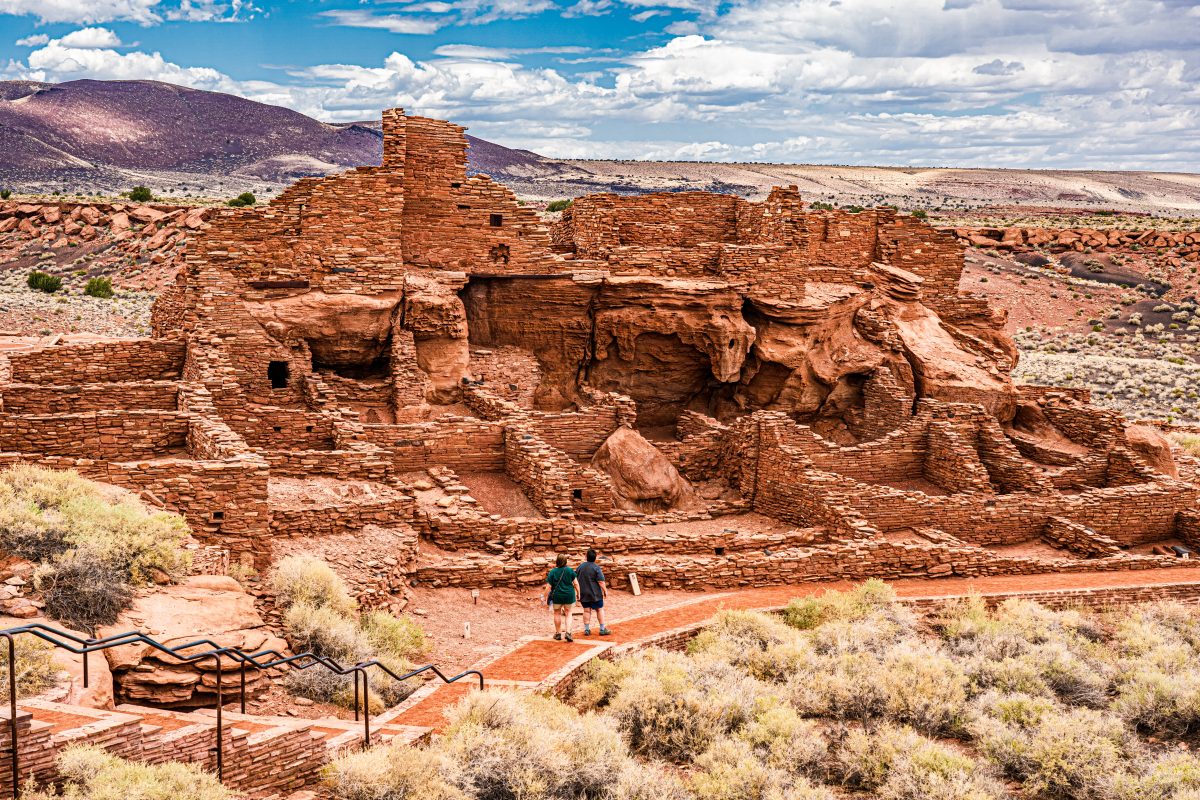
{"points": [[105, 136]]}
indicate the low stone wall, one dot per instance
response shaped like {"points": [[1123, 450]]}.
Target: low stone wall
{"points": [[116, 435], [101, 362], [30, 398], [338, 518]]}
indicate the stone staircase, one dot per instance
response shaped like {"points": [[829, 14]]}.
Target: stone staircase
{"points": [[264, 757]]}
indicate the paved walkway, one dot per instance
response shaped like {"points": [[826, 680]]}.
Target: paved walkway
{"points": [[531, 662]]}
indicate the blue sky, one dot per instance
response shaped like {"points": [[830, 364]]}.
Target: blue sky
{"points": [[1103, 84]]}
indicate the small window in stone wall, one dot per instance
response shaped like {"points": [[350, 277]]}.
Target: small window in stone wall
{"points": [[577, 494], [277, 374], [496, 220]]}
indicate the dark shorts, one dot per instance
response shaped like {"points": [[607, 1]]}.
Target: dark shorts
{"points": [[595, 605]]}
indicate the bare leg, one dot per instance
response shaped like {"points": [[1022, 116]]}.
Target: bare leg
{"points": [[567, 613], [600, 616], [587, 617], [557, 620]]}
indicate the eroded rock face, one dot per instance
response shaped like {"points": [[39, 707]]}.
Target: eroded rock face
{"points": [[202, 607], [643, 478], [1153, 448], [343, 331]]}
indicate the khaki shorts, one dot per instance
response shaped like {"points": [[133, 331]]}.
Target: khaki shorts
{"points": [[563, 606]]}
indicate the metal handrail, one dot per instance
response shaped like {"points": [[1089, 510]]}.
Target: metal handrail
{"points": [[259, 660]]}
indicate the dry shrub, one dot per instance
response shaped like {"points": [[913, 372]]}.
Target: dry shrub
{"points": [[41, 510], [1157, 683], [674, 708], [868, 599], [505, 746], [305, 579], [326, 632], [390, 773], [729, 770], [89, 773], [783, 740], [1056, 752], [35, 666], [899, 764], [83, 591], [396, 637]]}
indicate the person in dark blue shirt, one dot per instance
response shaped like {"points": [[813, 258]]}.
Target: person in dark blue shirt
{"points": [[592, 591]]}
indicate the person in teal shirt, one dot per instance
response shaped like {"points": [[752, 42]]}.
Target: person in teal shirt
{"points": [[562, 588]]}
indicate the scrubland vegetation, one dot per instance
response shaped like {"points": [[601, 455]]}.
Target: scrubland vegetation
{"points": [[1143, 377], [92, 546], [848, 695], [90, 773], [322, 618]]}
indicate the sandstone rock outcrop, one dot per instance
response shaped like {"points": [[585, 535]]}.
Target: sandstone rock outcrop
{"points": [[202, 607]]}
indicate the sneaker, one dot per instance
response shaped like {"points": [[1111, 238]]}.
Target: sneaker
{"points": [[605, 631], [558, 637], [587, 630], [570, 638]]}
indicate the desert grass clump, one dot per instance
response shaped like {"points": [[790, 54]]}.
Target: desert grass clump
{"points": [[90, 773], [397, 637], [896, 763]]}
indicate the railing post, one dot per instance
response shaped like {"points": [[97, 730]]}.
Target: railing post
{"points": [[85, 668], [356, 695], [243, 687], [366, 713], [220, 726], [12, 715]]}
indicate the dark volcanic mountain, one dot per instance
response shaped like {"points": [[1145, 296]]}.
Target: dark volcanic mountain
{"points": [[94, 135]]}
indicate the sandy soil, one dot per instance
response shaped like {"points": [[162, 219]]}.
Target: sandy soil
{"points": [[496, 493], [1033, 302]]}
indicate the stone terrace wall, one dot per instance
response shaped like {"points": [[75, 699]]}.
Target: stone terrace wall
{"points": [[29, 398], [112, 435], [102, 362], [466, 444]]}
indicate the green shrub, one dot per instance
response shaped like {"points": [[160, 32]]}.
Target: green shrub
{"points": [[90, 773], [305, 579], [395, 637], [99, 287], [729, 771], [5, 194], [141, 194], [559, 205], [782, 739], [919, 213], [820, 206], [43, 282], [898, 764], [243, 199]]}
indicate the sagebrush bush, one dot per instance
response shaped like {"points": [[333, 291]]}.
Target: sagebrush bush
{"points": [[899, 764], [390, 773], [90, 773], [41, 510], [306, 579], [99, 287], [43, 282], [729, 770], [395, 637], [326, 632]]}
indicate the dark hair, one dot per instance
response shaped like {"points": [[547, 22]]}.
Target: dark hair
{"points": [[560, 561], [591, 555]]}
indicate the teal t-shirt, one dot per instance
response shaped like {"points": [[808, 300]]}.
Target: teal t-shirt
{"points": [[562, 585]]}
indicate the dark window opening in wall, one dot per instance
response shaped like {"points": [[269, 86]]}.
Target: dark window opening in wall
{"points": [[496, 220], [732, 343], [278, 428], [455, 185], [720, 551], [463, 207], [499, 254], [577, 494], [217, 516], [277, 374], [308, 428]]}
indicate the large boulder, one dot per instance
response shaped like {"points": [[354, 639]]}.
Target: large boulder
{"points": [[1153, 448], [202, 607], [643, 478]]}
